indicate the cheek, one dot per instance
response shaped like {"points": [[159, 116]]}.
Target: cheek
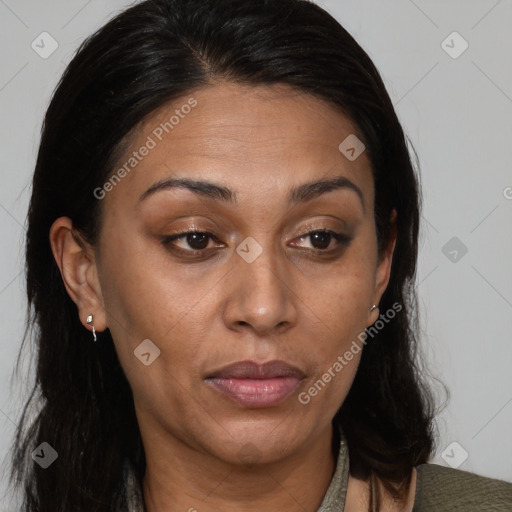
{"points": [[326, 390], [143, 294], [146, 298], [337, 349], [344, 300], [342, 304]]}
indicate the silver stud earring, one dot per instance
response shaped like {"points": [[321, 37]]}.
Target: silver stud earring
{"points": [[89, 322], [373, 308]]}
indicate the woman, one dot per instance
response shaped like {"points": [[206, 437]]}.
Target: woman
{"points": [[221, 249]]}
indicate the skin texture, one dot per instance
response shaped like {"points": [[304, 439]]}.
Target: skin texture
{"points": [[203, 312]]}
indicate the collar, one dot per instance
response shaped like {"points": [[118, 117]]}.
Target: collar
{"points": [[334, 498]]}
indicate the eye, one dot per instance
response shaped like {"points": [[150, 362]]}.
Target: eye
{"points": [[197, 241], [321, 240]]}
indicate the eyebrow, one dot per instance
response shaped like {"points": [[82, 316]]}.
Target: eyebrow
{"points": [[298, 194]]}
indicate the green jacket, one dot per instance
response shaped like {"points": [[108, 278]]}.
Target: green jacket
{"points": [[440, 489]]}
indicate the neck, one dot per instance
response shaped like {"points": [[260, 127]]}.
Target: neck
{"points": [[179, 478]]}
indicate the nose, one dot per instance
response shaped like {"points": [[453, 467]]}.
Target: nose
{"points": [[260, 296]]}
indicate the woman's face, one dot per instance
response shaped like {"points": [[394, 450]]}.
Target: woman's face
{"points": [[260, 283]]}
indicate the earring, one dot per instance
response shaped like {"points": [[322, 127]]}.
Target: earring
{"points": [[373, 308], [89, 322]]}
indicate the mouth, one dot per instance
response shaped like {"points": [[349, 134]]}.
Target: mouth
{"points": [[253, 385]]}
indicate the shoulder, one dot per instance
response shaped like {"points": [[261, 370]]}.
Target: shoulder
{"points": [[440, 489]]}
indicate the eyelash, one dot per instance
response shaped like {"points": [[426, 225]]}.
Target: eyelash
{"points": [[341, 239]]}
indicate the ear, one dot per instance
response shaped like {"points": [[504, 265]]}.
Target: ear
{"points": [[77, 265], [383, 271]]}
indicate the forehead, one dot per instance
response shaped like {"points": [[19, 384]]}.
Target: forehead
{"points": [[256, 139]]}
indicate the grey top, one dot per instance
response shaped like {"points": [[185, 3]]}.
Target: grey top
{"points": [[438, 489]]}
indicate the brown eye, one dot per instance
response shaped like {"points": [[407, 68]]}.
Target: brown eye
{"points": [[321, 239], [192, 242], [197, 240]]}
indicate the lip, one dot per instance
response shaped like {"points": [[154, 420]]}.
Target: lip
{"points": [[254, 385]]}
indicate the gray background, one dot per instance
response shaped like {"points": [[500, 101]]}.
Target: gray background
{"points": [[457, 113]]}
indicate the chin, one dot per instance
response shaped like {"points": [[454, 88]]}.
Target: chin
{"points": [[257, 443]]}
